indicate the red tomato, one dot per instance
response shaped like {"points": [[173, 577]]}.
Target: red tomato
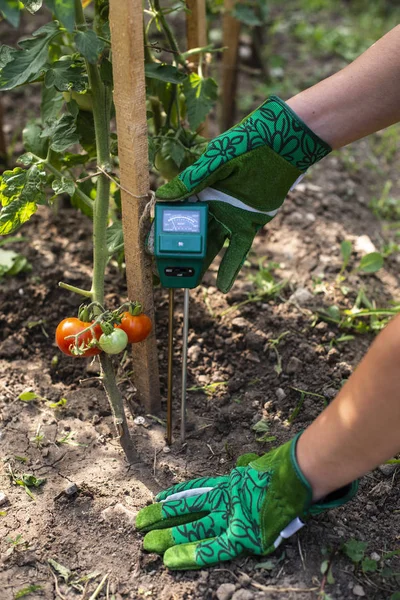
{"points": [[136, 327], [72, 326]]}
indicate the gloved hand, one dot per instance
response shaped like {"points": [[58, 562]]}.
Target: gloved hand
{"points": [[251, 511], [245, 175]]}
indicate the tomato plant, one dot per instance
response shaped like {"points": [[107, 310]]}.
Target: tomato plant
{"points": [[71, 149], [86, 344], [137, 327]]}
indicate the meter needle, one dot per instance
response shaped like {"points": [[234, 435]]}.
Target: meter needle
{"points": [[185, 333], [170, 360]]}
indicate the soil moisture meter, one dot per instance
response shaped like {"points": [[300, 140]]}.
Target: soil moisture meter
{"points": [[180, 244]]}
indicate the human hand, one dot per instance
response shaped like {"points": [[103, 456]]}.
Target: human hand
{"points": [[251, 511], [245, 175]]}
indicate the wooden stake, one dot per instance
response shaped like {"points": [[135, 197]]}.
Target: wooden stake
{"points": [[196, 26], [230, 36], [196, 37], [130, 105]]}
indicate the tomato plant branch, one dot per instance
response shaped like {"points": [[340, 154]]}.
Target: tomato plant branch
{"points": [[76, 290], [168, 32], [47, 165]]}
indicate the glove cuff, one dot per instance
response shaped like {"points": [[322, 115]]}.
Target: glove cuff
{"points": [[288, 135]]}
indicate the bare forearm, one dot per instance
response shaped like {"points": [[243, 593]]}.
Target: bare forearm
{"points": [[358, 100], [360, 429]]}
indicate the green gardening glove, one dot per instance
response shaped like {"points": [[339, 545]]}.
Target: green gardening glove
{"points": [[245, 175], [251, 511]]}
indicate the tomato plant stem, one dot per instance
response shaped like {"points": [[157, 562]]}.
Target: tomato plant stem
{"points": [[72, 288], [101, 95]]}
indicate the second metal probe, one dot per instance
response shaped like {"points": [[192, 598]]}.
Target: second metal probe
{"points": [[185, 332]]}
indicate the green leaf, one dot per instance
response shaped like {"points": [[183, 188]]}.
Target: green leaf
{"points": [[395, 596], [246, 14], [65, 75], [33, 140], [60, 569], [88, 188], [10, 11], [368, 565], [261, 426], [27, 590], [173, 149], [355, 550], [32, 5], [6, 55], [28, 396], [329, 577], [51, 104], [85, 127], [200, 96], [64, 11], [346, 248], [20, 264], [62, 133], [164, 72], [62, 402], [7, 258], [30, 480], [64, 185], [20, 192], [28, 63], [89, 45], [115, 237], [371, 263], [266, 438]]}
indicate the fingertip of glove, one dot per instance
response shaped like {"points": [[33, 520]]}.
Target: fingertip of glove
{"points": [[181, 557], [245, 459], [173, 190], [158, 541], [148, 516]]}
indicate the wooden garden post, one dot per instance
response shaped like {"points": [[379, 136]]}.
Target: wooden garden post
{"points": [[126, 22], [196, 37], [230, 39]]}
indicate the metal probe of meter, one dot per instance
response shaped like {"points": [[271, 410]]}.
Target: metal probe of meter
{"points": [[180, 243]]}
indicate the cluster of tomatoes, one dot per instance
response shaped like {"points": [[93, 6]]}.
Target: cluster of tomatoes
{"points": [[111, 336]]}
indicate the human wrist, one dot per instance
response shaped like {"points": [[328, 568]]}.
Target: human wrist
{"points": [[311, 466]]}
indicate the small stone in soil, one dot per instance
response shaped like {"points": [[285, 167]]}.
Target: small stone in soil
{"points": [[358, 590], [387, 470], [240, 323], [225, 591], [375, 556], [243, 595], [294, 365], [71, 489], [3, 498], [301, 296], [280, 394], [166, 449]]}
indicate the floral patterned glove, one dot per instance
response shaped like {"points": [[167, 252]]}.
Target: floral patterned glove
{"points": [[245, 175], [251, 511]]}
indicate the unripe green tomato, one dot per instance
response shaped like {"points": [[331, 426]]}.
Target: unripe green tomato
{"points": [[84, 100], [114, 342]]}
